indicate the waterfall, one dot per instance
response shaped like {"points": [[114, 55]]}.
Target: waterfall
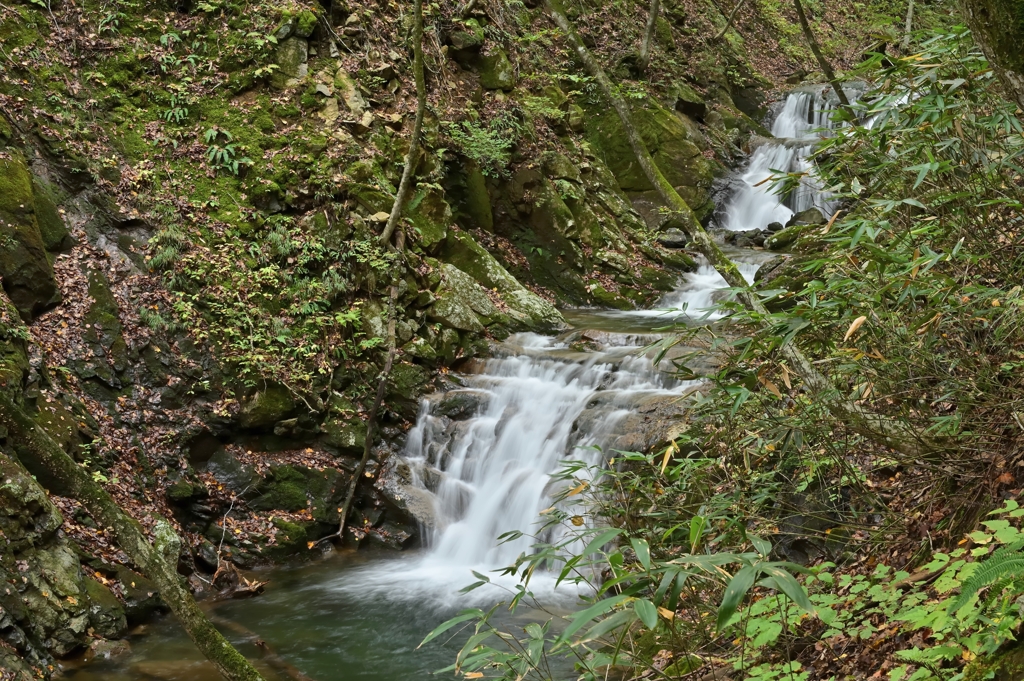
{"points": [[753, 205], [484, 455]]}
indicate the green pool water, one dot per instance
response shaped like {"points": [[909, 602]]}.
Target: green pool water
{"points": [[317, 619]]}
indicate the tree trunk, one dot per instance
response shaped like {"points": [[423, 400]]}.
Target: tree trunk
{"points": [[998, 28], [907, 27], [405, 184], [652, 26], [826, 68], [893, 434], [45, 459]]}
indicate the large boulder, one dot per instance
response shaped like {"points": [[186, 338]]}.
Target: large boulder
{"points": [[526, 309], [44, 606], [267, 407], [674, 142], [461, 303], [27, 274], [496, 71]]}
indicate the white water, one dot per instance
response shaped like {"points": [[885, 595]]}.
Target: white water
{"points": [[753, 205], [491, 473]]}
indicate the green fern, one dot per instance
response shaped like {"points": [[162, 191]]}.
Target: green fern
{"points": [[1006, 564]]}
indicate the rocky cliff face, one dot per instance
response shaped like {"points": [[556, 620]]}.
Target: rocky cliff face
{"points": [[194, 302]]}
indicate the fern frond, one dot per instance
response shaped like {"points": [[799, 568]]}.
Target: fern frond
{"points": [[1006, 563]]}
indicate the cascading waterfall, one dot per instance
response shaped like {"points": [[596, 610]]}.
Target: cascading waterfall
{"points": [[489, 472], [753, 205]]}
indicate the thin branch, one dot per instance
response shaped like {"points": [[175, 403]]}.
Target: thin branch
{"points": [[652, 25], [826, 68], [728, 23]]}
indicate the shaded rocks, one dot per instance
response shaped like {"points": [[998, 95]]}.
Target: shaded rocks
{"points": [[496, 71], [27, 274], [106, 614], [265, 408], [673, 238]]}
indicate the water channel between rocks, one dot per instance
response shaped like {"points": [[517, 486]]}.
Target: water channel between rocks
{"points": [[479, 463]]}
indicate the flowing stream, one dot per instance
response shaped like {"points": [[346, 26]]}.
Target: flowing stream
{"points": [[481, 459]]}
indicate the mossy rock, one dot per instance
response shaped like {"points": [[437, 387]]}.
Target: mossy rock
{"points": [[267, 407], [675, 148], [52, 229], [141, 597], [27, 274], [104, 334], [106, 614], [291, 56], [477, 203], [430, 215], [527, 310], [346, 435], [284, 489], [291, 538], [461, 303], [467, 35], [496, 71], [785, 238], [1005, 665], [13, 351]]}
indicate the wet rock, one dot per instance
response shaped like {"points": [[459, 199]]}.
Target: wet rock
{"points": [[141, 597], [811, 216], [106, 615], [460, 404], [101, 649], [673, 238], [477, 203], [774, 227], [27, 275], [231, 472]]}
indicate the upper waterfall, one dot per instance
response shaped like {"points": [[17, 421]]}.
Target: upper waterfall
{"points": [[753, 204]]}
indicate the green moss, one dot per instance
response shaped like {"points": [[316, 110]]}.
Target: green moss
{"points": [[666, 136], [283, 490], [305, 23]]}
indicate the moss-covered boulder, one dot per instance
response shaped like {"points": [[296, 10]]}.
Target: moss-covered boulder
{"points": [[526, 309], [268, 406], [43, 603], [52, 229], [477, 199], [141, 597], [344, 435], [430, 215], [106, 614], [674, 145], [283, 489], [466, 35], [461, 302], [292, 57], [27, 274], [496, 71]]}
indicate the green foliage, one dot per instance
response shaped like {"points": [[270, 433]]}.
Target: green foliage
{"points": [[490, 144], [221, 152]]}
